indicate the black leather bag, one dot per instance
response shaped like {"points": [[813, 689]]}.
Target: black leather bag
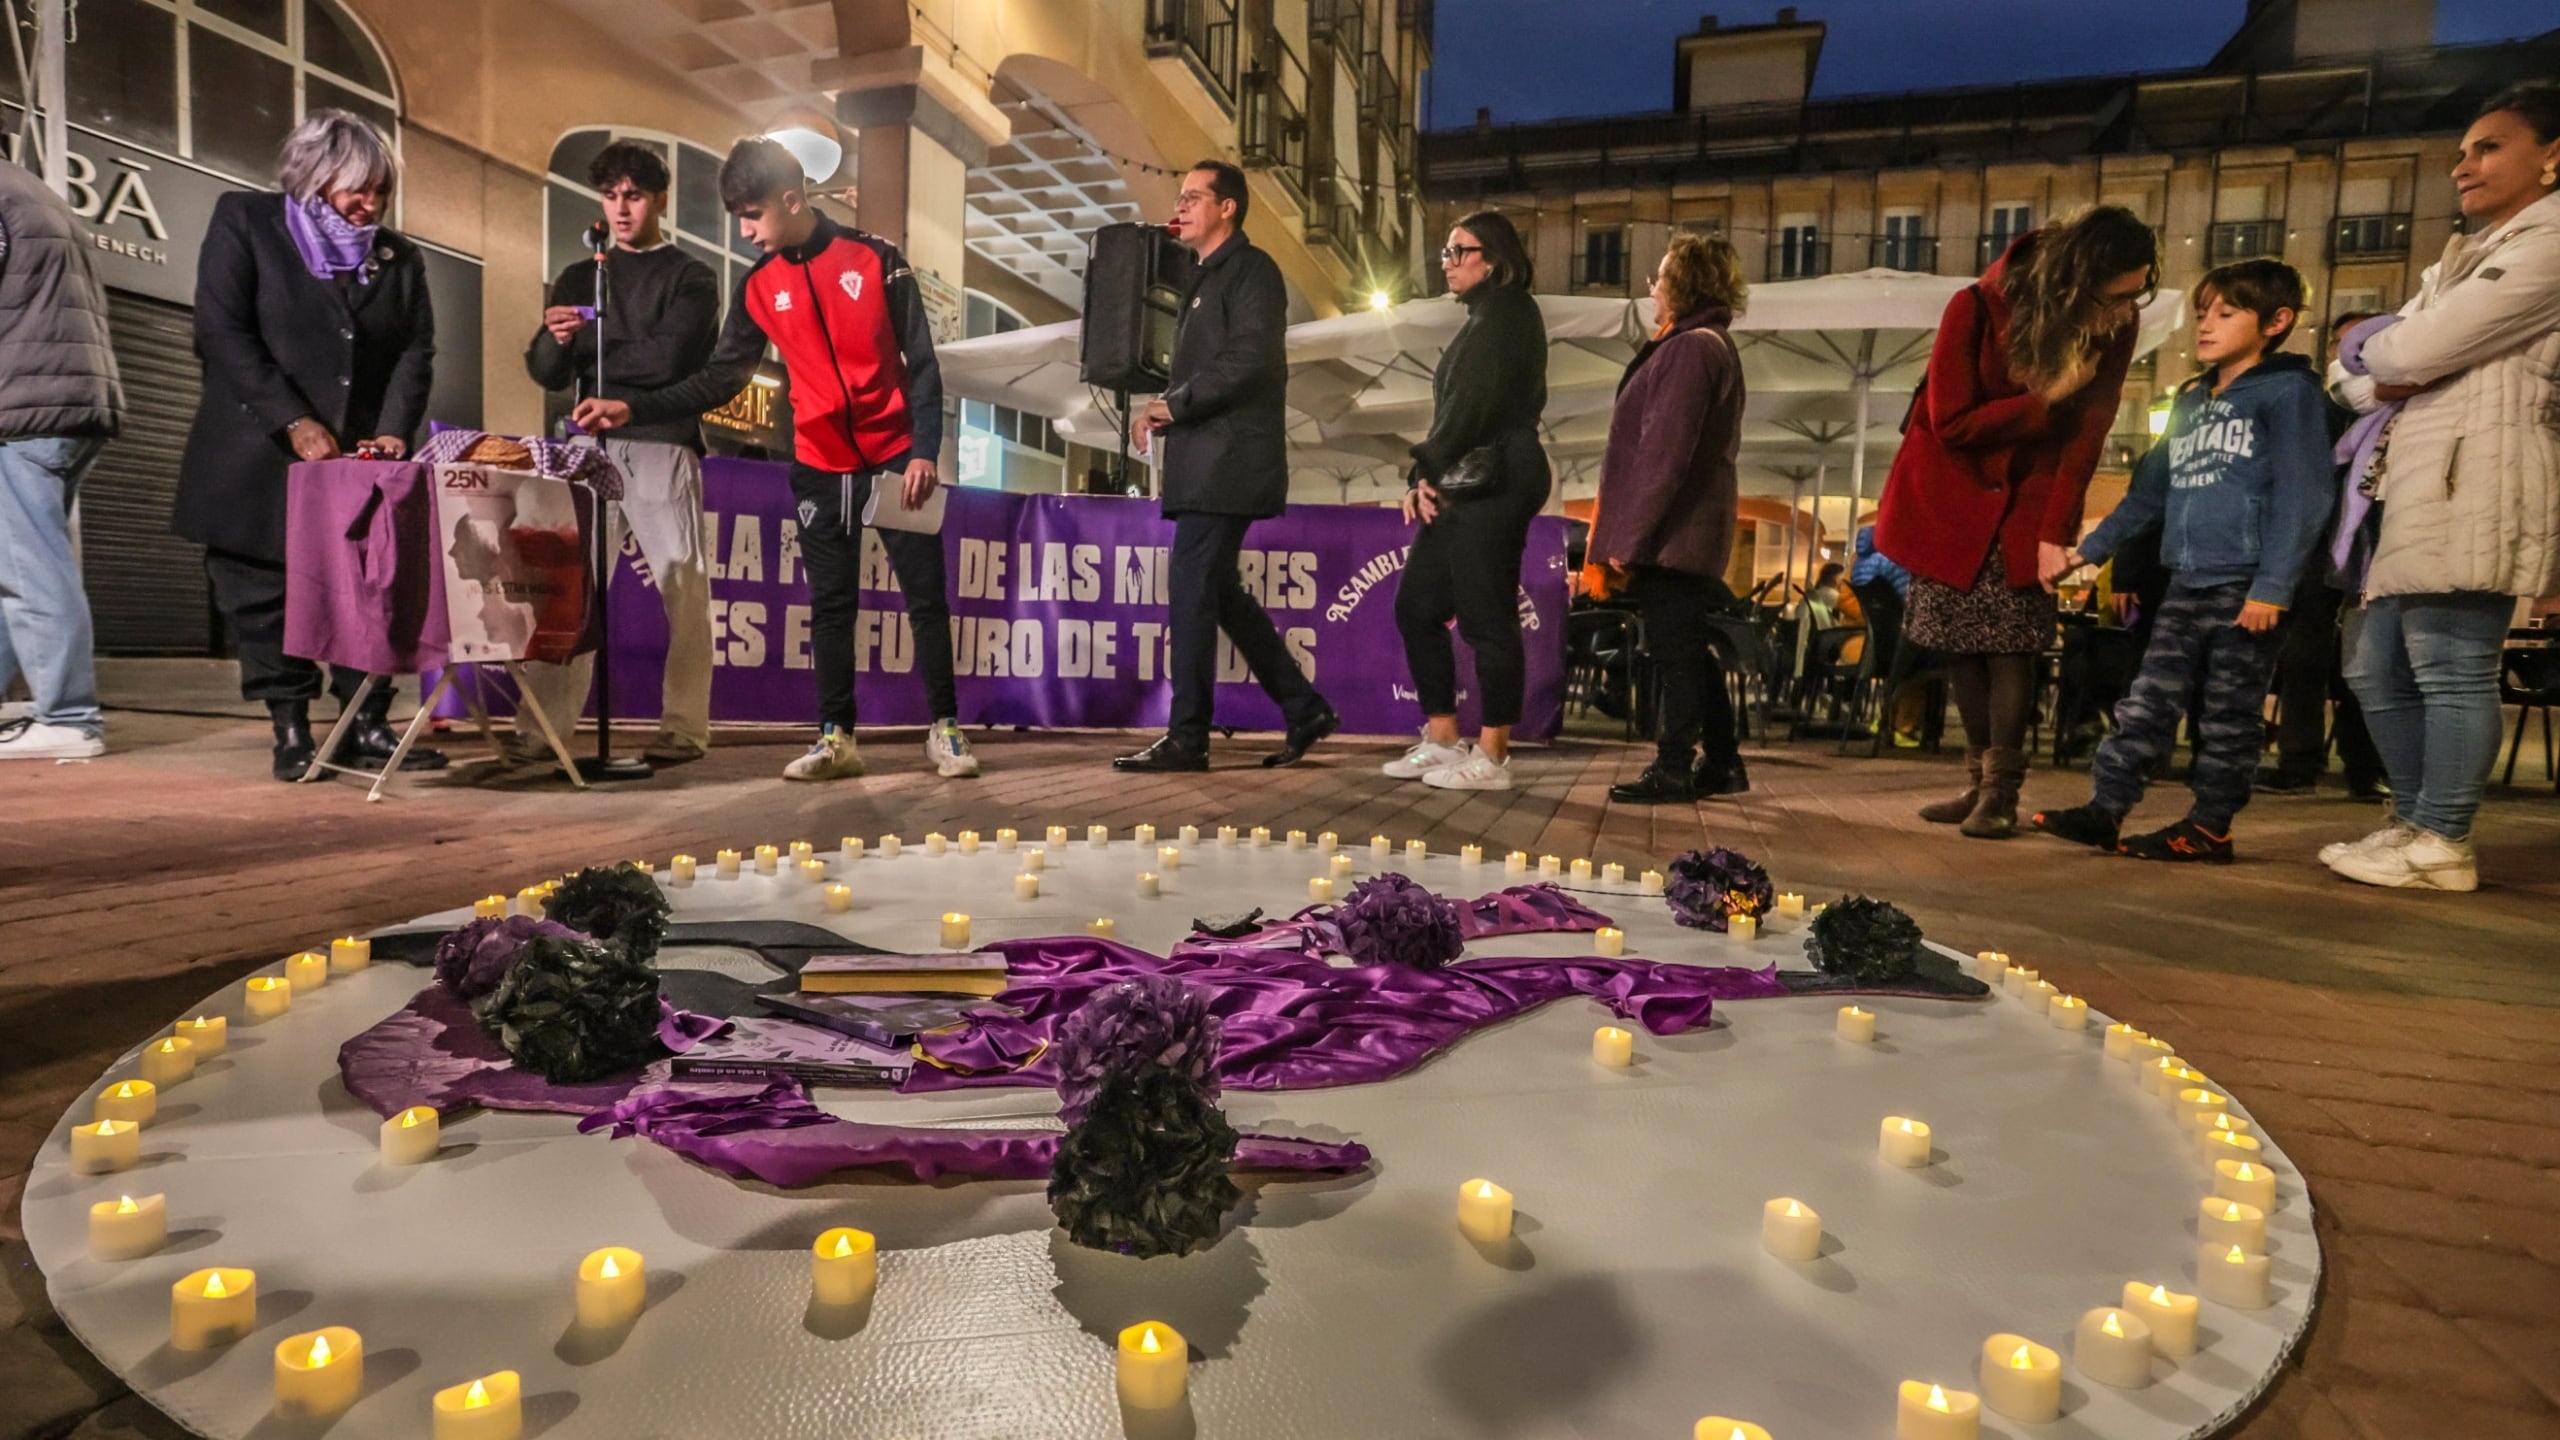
{"points": [[1477, 474]]}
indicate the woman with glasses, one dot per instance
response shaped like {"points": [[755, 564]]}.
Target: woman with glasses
{"points": [[1986, 492], [1478, 479]]}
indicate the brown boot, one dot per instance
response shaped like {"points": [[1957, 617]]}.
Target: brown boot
{"points": [[1954, 812], [1995, 815]]}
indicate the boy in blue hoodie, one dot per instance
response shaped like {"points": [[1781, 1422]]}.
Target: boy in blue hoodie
{"points": [[2240, 489]]}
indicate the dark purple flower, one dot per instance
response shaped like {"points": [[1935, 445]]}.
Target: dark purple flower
{"points": [[472, 960], [1390, 920], [1150, 1022], [1709, 887]]}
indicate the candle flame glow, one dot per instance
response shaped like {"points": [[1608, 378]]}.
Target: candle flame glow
{"points": [[1147, 1340], [608, 1269], [844, 1245], [106, 1127], [2231, 1211], [2159, 1294], [1737, 1434], [1937, 1398], [125, 1091], [2022, 1360], [214, 1289], [477, 1397], [409, 1119], [125, 1205], [319, 1352], [170, 1045], [1906, 1127], [1484, 1189], [2244, 1172], [1854, 1010], [1794, 1210], [2236, 1256], [2111, 1327]]}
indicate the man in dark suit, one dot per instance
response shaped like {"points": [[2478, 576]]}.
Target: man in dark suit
{"points": [[1225, 465]]}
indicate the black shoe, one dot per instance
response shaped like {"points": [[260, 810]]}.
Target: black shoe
{"points": [[2185, 841], [2081, 825], [2368, 789], [1166, 756], [369, 746], [2276, 780], [1301, 739], [1656, 786], [1711, 779], [294, 746]]}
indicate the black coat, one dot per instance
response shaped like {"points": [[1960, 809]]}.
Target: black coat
{"points": [[1226, 452], [1489, 389], [278, 344]]}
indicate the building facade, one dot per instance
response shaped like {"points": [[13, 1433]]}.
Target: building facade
{"points": [[988, 138]]}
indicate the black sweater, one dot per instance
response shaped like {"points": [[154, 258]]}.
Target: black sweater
{"points": [[662, 315], [1491, 381]]}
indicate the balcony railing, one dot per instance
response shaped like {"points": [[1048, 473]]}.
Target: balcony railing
{"points": [[2369, 237], [1381, 98], [1799, 257], [1271, 129], [2229, 240], [1906, 252], [1335, 205], [1203, 33], [1337, 23]]}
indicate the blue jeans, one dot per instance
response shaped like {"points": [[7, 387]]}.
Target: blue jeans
{"points": [[44, 614], [2425, 669]]}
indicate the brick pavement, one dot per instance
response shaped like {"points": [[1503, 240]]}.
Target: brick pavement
{"points": [[2405, 1049]]}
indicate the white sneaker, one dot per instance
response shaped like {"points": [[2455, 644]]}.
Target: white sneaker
{"points": [[2424, 861], [949, 751], [24, 739], [1426, 756], [832, 758], [1478, 771], [2395, 832], [16, 710]]}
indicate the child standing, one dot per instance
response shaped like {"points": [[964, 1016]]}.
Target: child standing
{"points": [[2240, 489]]}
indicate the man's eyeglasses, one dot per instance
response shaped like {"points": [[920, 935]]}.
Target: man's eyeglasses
{"points": [[1452, 254]]}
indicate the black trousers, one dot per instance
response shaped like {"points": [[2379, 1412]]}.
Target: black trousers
{"points": [[1465, 565], [250, 594], [1209, 597], [2309, 678], [1696, 712], [831, 550]]}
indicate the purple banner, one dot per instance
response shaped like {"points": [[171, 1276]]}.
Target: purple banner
{"points": [[1058, 614]]}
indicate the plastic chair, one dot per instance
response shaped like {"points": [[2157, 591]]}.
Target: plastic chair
{"points": [[2529, 679]]}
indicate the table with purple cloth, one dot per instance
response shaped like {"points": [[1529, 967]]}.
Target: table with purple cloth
{"points": [[364, 589]]}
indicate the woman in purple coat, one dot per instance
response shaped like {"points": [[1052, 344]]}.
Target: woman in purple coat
{"points": [[1668, 499]]}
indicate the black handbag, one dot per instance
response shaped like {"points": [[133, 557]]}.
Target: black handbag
{"points": [[1477, 474]]}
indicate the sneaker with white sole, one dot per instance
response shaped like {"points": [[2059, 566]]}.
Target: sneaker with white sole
{"points": [[949, 751], [2424, 861], [16, 710], [832, 758], [2395, 832], [1478, 771], [27, 739], [1426, 756]]}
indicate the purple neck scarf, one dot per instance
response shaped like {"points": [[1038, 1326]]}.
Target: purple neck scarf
{"points": [[329, 244]]}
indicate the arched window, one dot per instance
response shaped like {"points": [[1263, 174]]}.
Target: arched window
{"points": [[221, 82], [695, 219]]}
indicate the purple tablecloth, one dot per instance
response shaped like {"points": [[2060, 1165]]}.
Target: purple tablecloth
{"points": [[363, 587]]}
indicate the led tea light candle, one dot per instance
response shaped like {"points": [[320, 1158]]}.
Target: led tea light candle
{"points": [[1168, 857], [1227, 836], [968, 842], [2122, 1041], [267, 996], [2067, 1012], [936, 843], [2148, 1049], [1613, 873], [1026, 886], [2224, 1223], [1989, 966], [1742, 927], [844, 1266], [1261, 837], [1008, 838], [1609, 940], [2197, 1106], [1381, 849], [1297, 839], [210, 1034], [1057, 835], [2113, 1347], [1650, 882], [2229, 1275], [2246, 1181], [851, 847], [1145, 835], [2171, 1316], [1790, 903], [1923, 1411], [309, 970], [1470, 855], [105, 1147], [1327, 843], [2221, 1145], [170, 1061], [1790, 1229], [412, 1137], [839, 898], [725, 864], [1319, 888], [489, 907], [1613, 1047], [2158, 1070], [348, 953], [212, 1307], [768, 860], [1415, 852], [1550, 866], [612, 1285], [319, 1373], [1515, 863], [1104, 928], [490, 1407], [1188, 834], [1723, 1427], [891, 847], [2172, 1079], [1580, 870], [955, 930], [1148, 886], [2017, 978], [802, 850], [125, 1227], [1151, 1366], [2021, 1379], [132, 1102], [2039, 995], [1902, 1141], [1856, 1026], [1340, 865], [530, 901], [1484, 1212], [814, 871], [680, 870], [1034, 860]]}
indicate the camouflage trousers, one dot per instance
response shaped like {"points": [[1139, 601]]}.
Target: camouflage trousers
{"points": [[2200, 657]]}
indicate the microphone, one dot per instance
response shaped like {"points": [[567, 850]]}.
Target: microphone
{"points": [[598, 237]]}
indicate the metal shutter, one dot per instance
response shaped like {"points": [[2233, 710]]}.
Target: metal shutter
{"points": [[146, 586]]}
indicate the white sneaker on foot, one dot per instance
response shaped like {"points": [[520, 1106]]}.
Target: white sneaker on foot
{"points": [[32, 740], [832, 758], [1426, 756], [2424, 861], [2395, 832], [1478, 771], [16, 710], [949, 751]]}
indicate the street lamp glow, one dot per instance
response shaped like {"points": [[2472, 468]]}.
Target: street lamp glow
{"points": [[1381, 300]]}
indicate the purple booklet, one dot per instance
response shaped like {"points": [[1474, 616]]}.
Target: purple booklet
{"points": [[760, 1047]]}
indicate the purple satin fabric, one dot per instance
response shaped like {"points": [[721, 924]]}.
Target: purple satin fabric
{"points": [[778, 1135], [1294, 1022], [1526, 910], [432, 1052]]}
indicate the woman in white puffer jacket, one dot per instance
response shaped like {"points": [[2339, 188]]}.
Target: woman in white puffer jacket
{"points": [[2469, 494]]}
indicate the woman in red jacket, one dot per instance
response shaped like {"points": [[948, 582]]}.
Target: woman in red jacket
{"points": [[1986, 492]]}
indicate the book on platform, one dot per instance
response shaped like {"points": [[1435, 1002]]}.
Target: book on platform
{"points": [[892, 1020], [978, 972]]}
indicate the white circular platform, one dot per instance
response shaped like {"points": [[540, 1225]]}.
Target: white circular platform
{"points": [[1635, 1299]]}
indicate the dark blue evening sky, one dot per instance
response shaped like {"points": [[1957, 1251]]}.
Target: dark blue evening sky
{"points": [[1541, 59]]}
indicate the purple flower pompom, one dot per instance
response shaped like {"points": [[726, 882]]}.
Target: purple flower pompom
{"points": [[1390, 920], [472, 960], [1151, 1021], [1709, 887]]}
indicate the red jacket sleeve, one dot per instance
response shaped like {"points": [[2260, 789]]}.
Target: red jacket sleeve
{"points": [[1961, 414], [2096, 420]]}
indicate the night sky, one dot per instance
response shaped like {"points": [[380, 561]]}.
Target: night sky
{"points": [[1541, 59]]}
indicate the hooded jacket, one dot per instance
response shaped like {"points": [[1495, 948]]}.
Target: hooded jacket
{"points": [[2240, 487], [1987, 461]]}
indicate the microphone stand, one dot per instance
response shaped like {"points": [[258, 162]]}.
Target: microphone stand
{"points": [[604, 764]]}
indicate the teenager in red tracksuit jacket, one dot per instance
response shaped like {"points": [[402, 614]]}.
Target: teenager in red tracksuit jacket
{"points": [[866, 397]]}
